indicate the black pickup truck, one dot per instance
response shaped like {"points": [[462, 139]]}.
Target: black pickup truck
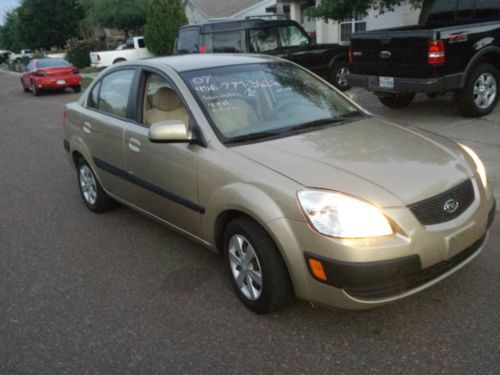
{"points": [[455, 48], [278, 37]]}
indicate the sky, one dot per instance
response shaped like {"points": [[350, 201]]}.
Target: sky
{"points": [[5, 5]]}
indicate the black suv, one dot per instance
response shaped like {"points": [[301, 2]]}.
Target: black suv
{"points": [[455, 48], [282, 38]]}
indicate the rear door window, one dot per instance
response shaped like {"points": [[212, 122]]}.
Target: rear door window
{"points": [[263, 40], [225, 42], [141, 43], [188, 41], [465, 9]]}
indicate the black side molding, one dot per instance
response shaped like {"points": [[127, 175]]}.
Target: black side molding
{"points": [[105, 166]]}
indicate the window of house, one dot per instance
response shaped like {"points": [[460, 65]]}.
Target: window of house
{"points": [[351, 26], [262, 40], [292, 36], [115, 93]]}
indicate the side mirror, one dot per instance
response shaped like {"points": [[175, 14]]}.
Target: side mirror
{"points": [[173, 131]]}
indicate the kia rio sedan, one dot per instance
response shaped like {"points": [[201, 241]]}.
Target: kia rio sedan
{"points": [[303, 192]]}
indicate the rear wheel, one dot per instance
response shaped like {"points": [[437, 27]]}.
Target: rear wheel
{"points": [[338, 75], [35, 90], [77, 88], [257, 271], [93, 195], [397, 101], [480, 94]]}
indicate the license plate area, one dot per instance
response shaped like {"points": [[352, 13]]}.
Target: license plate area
{"points": [[386, 82], [61, 82]]}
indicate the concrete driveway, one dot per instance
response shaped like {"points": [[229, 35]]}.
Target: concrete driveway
{"points": [[440, 116]]}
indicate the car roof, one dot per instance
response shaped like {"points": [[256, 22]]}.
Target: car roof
{"points": [[238, 24], [184, 63]]}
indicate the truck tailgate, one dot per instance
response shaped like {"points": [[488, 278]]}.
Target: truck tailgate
{"points": [[392, 53]]}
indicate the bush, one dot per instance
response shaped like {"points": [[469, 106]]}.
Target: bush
{"points": [[79, 51], [38, 55]]}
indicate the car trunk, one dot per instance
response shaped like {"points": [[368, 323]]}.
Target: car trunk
{"points": [[392, 53]]}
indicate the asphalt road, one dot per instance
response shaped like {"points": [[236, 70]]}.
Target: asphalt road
{"points": [[117, 293]]}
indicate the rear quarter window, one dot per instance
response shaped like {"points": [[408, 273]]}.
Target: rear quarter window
{"points": [[188, 41], [488, 9]]}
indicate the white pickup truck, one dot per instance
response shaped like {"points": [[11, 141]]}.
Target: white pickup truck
{"points": [[135, 49], [25, 53]]}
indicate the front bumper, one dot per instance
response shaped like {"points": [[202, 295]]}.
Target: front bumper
{"points": [[408, 85], [367, 273]]}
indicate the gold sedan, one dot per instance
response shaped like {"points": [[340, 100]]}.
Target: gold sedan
{"points": [[304, 193]]}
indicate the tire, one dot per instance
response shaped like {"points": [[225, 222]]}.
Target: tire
{"points": [[338, 75], [397, 101], [25, 89], [119, 61], [274, 291], [91, 191], [480, 94], [77, 89], [35, 90]]}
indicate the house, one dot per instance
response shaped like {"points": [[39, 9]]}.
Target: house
{"points": [[200, 11]]}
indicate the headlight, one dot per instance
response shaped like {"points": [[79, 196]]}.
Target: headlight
{"points": [[481, 170], [339, 215]]}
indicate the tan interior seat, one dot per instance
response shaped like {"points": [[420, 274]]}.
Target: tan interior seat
{"points": [[166, 106], [240, 115]]}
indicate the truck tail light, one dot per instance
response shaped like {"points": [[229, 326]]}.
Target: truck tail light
{"points": [[202, 48], [350, 53], [437, 53], [98, 57]]}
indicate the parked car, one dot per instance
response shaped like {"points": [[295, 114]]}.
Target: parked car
{"points": [[456, 48], [25, 54], [303, 191], [4, 56], [282, 38], [135, 49], [50, 74]]}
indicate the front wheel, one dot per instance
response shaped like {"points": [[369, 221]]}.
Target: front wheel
{"points": [[257, 271], [93, 195], [480, 94], [397, 101], [338, 75]]}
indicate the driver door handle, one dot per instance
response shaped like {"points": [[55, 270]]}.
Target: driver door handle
{"points": [[87, 127]]}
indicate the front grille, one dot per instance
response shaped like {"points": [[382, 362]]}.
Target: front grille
{"points": [[416, 279], [432, 211]]}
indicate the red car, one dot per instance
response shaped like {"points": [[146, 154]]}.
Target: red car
{"points": [[50, 74]]}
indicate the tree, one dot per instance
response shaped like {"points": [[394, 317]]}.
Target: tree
{"points": [[163, 21], [10, 32], [126, 15], [341, 9], [47, 23]]}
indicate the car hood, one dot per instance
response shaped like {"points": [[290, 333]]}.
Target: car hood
{"points": [[385, 163]]}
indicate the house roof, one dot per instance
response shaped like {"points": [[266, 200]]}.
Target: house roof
{"points": [[223, 8]]}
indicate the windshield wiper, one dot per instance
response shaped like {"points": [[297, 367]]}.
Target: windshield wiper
{"points": [[254, 136], [318, 123]]}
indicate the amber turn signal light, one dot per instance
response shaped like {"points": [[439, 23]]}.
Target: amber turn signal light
{"points": [[317, 269]]}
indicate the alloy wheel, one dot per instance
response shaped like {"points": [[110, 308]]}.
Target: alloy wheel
{"points": [[342, 74], [485, 90], [88, 185], [245, 267]]}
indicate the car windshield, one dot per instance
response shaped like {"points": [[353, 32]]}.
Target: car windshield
{"points": [[52, 63], [254, 101]]}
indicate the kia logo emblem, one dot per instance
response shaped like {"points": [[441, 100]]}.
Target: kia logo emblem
{"points": [[451, 206], [385, 55]]}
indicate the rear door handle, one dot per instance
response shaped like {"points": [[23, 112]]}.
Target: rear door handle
{"points": [[87, 127], [134, 144]]}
